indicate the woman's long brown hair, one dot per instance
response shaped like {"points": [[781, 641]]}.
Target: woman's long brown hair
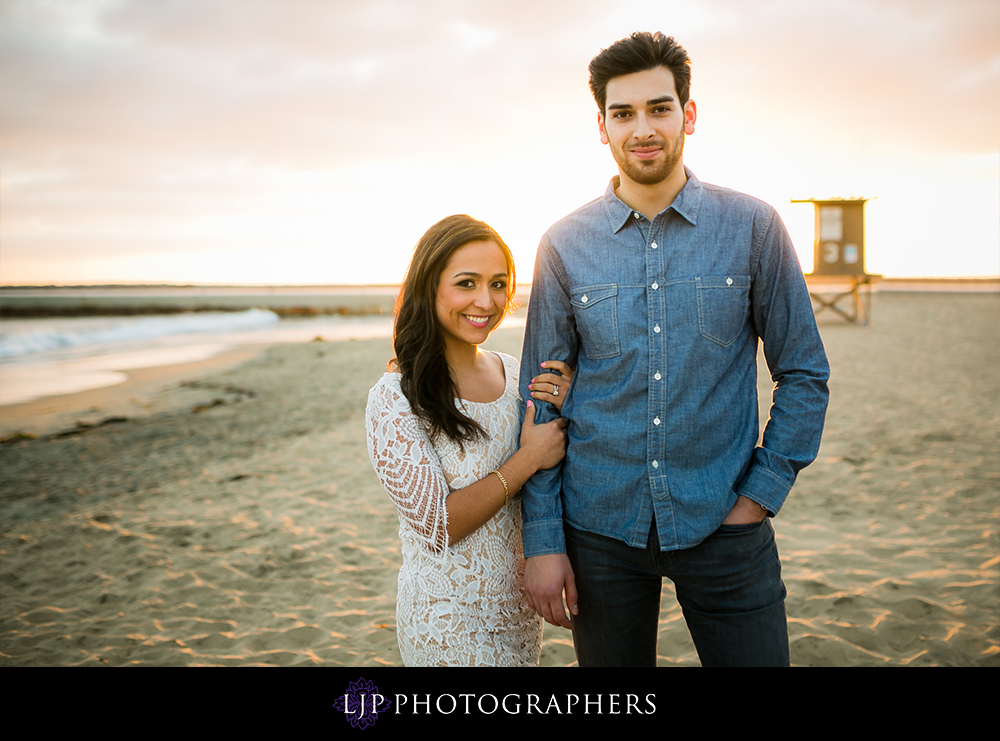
{"points": [[426, 379]]}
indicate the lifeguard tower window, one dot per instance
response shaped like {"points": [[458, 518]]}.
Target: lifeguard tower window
{"points": [[840, 245], [839, 258]]}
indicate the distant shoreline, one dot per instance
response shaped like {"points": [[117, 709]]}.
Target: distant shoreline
{"points": [[35, 311], [374, 287], [298, 301], [207, 286], [129, 300]]}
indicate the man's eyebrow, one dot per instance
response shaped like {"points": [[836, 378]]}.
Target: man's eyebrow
{"points": [[653, 101]]}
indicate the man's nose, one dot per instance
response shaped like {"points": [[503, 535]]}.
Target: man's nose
{"points": [[643, 129]]}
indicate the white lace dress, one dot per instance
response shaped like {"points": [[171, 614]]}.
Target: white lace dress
{"points": [[458, 604]]}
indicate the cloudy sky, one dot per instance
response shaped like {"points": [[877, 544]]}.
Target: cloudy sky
{"points": [[314, 141]]}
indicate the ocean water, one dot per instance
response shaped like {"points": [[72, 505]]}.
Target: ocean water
{"points": [[46, 357], [20, 338]]}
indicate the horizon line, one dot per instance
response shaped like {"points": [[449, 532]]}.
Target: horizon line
{"points": [[148, 284]]}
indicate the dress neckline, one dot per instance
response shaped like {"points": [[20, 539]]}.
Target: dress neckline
{"points": [[506, 384], [507, 381]]}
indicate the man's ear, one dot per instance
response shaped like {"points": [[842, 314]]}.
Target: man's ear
{"points": [[690, 116], [600, 127]]}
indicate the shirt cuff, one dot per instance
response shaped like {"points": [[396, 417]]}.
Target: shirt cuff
{"points": [[765, 487], [542, 537]]}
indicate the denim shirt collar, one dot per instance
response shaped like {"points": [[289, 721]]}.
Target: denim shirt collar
{"points": [[686, 203]]}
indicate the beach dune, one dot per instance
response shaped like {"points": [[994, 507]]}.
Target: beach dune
{"points": [[237, 521]]}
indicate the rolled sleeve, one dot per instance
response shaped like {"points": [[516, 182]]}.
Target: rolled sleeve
{"points": [[550, 334]]}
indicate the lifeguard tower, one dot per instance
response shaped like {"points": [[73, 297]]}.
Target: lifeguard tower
{"points": [[839, 259]]}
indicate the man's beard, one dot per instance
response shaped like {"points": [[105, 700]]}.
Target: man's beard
{"points": [[653, 172]]}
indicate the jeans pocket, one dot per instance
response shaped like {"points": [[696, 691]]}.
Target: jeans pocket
{"points": [[596, 312], [741, 529], [723, 306]]}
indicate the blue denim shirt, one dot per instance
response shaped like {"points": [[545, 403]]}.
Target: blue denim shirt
{"points": [[661, 320]]}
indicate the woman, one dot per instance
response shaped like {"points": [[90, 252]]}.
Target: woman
{"points": [[443, 428]]}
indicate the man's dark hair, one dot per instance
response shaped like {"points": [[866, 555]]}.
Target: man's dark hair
{"points": [[637, 53]]}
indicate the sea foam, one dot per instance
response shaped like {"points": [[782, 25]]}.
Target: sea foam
{"points": [[19, 338]]}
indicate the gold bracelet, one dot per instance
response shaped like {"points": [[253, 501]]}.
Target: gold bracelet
{"points": [[513, 475], [506, 491]]}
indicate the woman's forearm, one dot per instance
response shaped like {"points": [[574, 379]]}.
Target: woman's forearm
{"points": [[473, 506]]}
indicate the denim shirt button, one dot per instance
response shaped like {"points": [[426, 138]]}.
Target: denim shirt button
{"points": [[656, 464], [637, 215], [729, 281], [656, 329], [584, 298], [656, 421], [655, 286], [653, 245], [657, 375]]}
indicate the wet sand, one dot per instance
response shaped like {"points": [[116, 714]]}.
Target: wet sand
{"points": [[235, 519], [145, 392]]}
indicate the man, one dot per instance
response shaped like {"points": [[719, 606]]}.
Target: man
{"points": [[657, 293]]}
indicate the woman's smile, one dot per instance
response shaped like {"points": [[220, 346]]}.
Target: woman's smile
{"points": [[478, 321]]}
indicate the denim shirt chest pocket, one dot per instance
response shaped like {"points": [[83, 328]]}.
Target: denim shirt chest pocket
{"points": [[723, 306], [596, 311]]}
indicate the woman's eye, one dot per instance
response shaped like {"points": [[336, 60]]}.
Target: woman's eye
{"points": [[499, 285]]}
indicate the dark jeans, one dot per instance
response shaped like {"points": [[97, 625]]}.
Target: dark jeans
{"points": [[729, 587]]}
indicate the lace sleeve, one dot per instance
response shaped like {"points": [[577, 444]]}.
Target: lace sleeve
{"points": [[406, 464]]}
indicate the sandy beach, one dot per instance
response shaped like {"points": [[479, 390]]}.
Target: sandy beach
{"points": [[230, 515]]}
